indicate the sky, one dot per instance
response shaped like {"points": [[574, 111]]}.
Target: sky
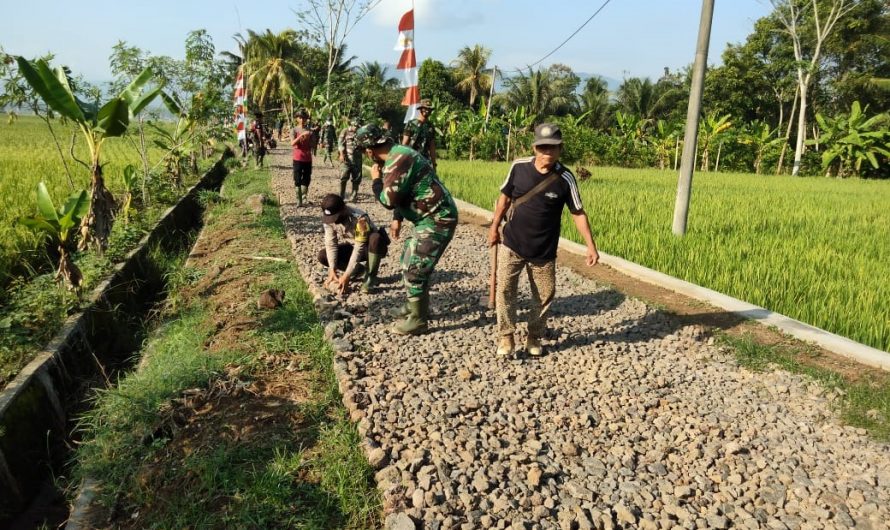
{"points": [[629, 38]]}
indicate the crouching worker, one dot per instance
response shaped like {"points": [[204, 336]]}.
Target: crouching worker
{"points": [[405, 181], [343, 224]]}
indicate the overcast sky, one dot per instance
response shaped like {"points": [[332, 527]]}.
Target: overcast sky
{"points": [[628, 38]]}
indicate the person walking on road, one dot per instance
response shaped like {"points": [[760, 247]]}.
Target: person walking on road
{"points": [[350, 237], [302, 156], [531, 201], [350, 160], [405, 181], [329, 141], [420, 134]]}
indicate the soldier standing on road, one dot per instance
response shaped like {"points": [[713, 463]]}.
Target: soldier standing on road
{"points": [[302, 156], [405, 181], [329, 141], [419, 133], [368, 243], [350, 160], [531, 201]]}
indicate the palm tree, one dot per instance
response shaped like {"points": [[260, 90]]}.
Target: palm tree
{"points": [[646, 99], [540, 92], [595, 102], [273, 67], [470, 72], [375, 74]]}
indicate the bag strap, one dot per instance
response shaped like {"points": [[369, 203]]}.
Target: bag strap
{"points": [[530, 194]]}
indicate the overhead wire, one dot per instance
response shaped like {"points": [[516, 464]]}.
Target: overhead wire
{"points": [[563, 43]]}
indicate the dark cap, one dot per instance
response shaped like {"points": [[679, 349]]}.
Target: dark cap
{"points": [[332, 206], [302, 113], [425, 104], [547, 134]]}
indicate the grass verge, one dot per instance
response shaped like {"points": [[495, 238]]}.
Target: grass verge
{"points": [[233, 418], [864, 403]]}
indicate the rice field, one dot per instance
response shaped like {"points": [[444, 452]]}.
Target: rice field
{"points": [[27, 156], [815, 249]]}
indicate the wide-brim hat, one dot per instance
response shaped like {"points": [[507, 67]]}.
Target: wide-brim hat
{"points": [[332, 206], [425, 104], [547, 134]]}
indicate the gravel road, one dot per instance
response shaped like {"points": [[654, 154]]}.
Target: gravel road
{"points": [[629, 421]]}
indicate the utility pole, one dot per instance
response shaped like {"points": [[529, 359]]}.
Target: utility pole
{"points": [[690, 140]]}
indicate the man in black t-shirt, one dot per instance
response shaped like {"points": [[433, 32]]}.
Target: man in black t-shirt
{"points": [[531, 200]]}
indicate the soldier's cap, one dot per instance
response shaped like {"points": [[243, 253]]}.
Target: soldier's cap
{"points": [[547, 134], [332, 206], [370, 136], [426, 104]]}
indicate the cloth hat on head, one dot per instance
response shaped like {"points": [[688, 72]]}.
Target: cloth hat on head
{"points": [[547, 134], [426, 104], [331, 207]]}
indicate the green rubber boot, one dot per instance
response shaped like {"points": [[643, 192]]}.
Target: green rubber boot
{"points": [[343, 189], [371, 274], [299, 195], [306, 194], [415, 322], [355, 192]]}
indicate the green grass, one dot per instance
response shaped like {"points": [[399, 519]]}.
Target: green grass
{"points": [[864, 404], [815, 249], [313, 477]]}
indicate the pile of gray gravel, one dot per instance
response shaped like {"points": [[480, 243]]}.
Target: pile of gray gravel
{"points": [[630, 421]]}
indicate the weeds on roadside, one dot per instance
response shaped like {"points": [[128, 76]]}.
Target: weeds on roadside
{"points": [[864, 404]]}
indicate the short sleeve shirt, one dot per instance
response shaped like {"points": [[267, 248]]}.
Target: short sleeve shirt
{"points": [[533, 232], [302, 151]]}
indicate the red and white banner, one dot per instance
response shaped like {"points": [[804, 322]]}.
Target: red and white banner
{"points": [[408, 65], [240, 102]]}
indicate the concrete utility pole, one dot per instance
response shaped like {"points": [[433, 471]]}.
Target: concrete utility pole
{"points": [[494, 77], [690, 140]]}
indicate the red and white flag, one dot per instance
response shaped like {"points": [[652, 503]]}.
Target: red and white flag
{"points": [[408, 65], [240, 101]]}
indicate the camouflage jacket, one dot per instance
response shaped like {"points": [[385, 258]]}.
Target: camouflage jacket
{"points": [[346, 145], [421, 136], [410, 186]]}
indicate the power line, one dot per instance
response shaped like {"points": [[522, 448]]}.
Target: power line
{"points": [[595, 13]]}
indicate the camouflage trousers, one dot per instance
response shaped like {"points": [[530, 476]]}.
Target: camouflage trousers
{"points": [[421, 253], [351, 172], [542, 281]]}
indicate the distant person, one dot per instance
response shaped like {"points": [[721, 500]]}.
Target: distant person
{"points": [[279, 127], [531, 201], [350, 160], [350, 238], [329, 141], [420, 134], [404, 181], [302, 156]]}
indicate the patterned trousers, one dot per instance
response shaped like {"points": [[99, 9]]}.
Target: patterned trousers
{"points": [[542, 281], [421, 253]]}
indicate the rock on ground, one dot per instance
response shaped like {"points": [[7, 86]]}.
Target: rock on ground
{"points": [[629, 419]]}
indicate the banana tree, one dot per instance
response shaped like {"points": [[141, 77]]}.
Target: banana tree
{"points": [[60, 226], [709, 131], [852, 139], [178, 143], [763, 138], [97, 123]]}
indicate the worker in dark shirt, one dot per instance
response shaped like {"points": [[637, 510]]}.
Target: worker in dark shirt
{"points": [[531, 201]]}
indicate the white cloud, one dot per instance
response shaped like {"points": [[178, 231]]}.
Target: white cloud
{"points": [[429, 14]]}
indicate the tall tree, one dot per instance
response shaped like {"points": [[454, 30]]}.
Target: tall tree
{"points": [[330, 22], [807, 47], [543, 92], [273, 67], [469, 71], [595, 102], [646, 99]]}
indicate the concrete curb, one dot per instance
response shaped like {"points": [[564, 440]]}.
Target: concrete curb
{"points": [[843, 346]]}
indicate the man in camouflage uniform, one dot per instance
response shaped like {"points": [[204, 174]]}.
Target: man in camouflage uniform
{"points": [[329, 141], [419, 133], [350, 160], [404, 181]]}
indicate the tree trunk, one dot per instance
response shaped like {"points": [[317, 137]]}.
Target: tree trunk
{"points": [[100, 217], [801, 131], [676, 153], [781, 162], [717, 162], [68, 271]]}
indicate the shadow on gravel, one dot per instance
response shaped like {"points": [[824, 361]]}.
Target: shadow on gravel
{"points": [[586, 304]]}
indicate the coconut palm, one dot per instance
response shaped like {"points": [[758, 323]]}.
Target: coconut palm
{"points": [[595, 102], [375, 74], [273, 69], [647, 99], [541, 92], [469, 70]]}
